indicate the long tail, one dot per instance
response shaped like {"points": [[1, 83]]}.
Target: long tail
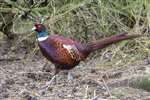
{"points": [[110, 40]]}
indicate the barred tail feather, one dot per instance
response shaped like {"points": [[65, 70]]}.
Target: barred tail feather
{"points": [[110, 40]]}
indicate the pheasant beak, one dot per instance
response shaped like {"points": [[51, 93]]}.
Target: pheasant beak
{"points": [[34, 28]]}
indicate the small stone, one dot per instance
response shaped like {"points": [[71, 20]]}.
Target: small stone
{"points": [[93, 70]]}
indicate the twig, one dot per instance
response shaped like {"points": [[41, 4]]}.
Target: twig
{"points": [[47, 85], [107, 88], [86, 91], [9, 59]]}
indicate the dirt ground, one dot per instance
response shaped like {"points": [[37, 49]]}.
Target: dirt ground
{"points": [[22, 78]]}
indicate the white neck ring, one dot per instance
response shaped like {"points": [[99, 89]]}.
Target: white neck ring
{"points": [[42, 38]]}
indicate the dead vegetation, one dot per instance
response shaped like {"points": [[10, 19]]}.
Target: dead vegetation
{"points": [[119, 72]]}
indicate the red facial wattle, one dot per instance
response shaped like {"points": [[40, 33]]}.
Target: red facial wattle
{"points": [[39, 27]]}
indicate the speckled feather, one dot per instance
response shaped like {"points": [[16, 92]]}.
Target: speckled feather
{"points": [[53, 49]]}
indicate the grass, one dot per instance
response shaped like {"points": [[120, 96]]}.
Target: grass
{"points": [[88, 20]]}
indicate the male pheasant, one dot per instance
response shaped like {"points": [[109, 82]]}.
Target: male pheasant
{"points": [[66, 53]]}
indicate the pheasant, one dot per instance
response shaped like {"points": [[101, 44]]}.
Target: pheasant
{"points": [[66, 53]]}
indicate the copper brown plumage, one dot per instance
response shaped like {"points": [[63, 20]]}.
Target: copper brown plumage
{"points": [[66, 53]]}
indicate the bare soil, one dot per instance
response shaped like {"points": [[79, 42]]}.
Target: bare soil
{"points": [[22, 78]]}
